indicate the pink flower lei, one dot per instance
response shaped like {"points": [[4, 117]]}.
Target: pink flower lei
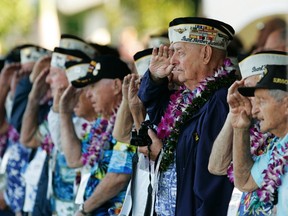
{"points": [[183, 103], [100, 134], [273, 173]]}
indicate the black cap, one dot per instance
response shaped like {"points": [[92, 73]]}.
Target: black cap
{"points": [[275, 77], [103, 67]]}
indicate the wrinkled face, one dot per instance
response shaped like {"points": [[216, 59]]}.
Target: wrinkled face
{"points": [[272, 114], [251, 82], [101, 95], [84, 107], [57, 79], [186, 65]]}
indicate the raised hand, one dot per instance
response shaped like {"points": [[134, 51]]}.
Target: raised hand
{"points": [[69, 99], [160, 66], [42, 63], [40, 87], [7, 74], [240, 107]]}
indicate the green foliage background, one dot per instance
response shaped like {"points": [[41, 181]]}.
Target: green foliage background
{"points": [[16, 17]]}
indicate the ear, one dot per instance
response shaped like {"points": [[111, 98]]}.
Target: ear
{"points": [[117, 86], [285, 101], [206, 54]]}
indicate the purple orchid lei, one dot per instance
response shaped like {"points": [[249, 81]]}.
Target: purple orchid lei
{"points": [[47, 144], [3, 143], [273, 173], [183, 103], [100, 135]]}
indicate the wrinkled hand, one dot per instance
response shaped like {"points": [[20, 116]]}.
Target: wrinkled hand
{"points": [[69, 99], [133, 98], [8, 72], [56, 98], [40, 87], [160, 66], [43, 62], [125, 86], [240, 107], [155, 147]]}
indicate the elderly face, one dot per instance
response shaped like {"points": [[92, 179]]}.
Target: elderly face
{"points": [[57, 79], [84, 107], [186, 63], [272, 114], [251, 82], [101, 95]]}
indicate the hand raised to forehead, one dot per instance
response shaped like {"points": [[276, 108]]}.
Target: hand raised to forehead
{"points": [[69, 99], [240, 107], [40, 87], [160, 66]]}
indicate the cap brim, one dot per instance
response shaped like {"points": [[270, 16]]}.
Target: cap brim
{"points": [[83, 82], [247, 91]]}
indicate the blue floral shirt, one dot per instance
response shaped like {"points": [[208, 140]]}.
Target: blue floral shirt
{"points": [[18, 160], [116, 158]]}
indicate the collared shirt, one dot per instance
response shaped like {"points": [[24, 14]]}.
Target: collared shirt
{"points": [[17, 161], [116, 157]]}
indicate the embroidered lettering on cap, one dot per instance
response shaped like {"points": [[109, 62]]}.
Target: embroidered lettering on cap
{"points": [[281, 81]]}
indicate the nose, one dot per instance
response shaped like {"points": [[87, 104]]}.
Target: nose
{"points": [[173, 59], [255, 108]]}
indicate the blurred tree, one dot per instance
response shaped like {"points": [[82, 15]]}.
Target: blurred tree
{"points": [[16, 19], [147, 15]]}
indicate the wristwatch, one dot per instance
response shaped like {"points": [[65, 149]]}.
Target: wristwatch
{"points": [[81, 209]]}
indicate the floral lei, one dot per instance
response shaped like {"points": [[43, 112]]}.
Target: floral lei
{"points": [[273, 173], [100, 132], [183, 104]]}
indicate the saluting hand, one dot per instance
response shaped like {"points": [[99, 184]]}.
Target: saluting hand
{"points": [[160, 66], [240, 107]]}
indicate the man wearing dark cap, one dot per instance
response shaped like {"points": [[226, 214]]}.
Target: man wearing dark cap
{"points": [[267, 174], [109, 161], [189, 119]]}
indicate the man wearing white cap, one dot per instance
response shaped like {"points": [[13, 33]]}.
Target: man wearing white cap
{"points": [[191, 117]]}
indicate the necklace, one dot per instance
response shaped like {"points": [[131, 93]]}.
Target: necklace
{"points": [[96, 138], [273, 173], [183, 104]]}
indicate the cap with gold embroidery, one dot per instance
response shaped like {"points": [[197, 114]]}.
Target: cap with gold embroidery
{"points": [[73, 42], [61, 56], [199, 30], [142, 60], [103, 67], [76, 70], [255, 64], [275, 77], [31, 53]]}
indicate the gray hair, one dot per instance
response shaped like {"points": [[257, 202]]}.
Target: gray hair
{"points": [[277, 94]]}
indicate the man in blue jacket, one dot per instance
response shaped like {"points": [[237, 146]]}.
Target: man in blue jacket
{"points": [[190, 118]]}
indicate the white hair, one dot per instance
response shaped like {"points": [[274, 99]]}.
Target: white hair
{"points": [[277, 94]]}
